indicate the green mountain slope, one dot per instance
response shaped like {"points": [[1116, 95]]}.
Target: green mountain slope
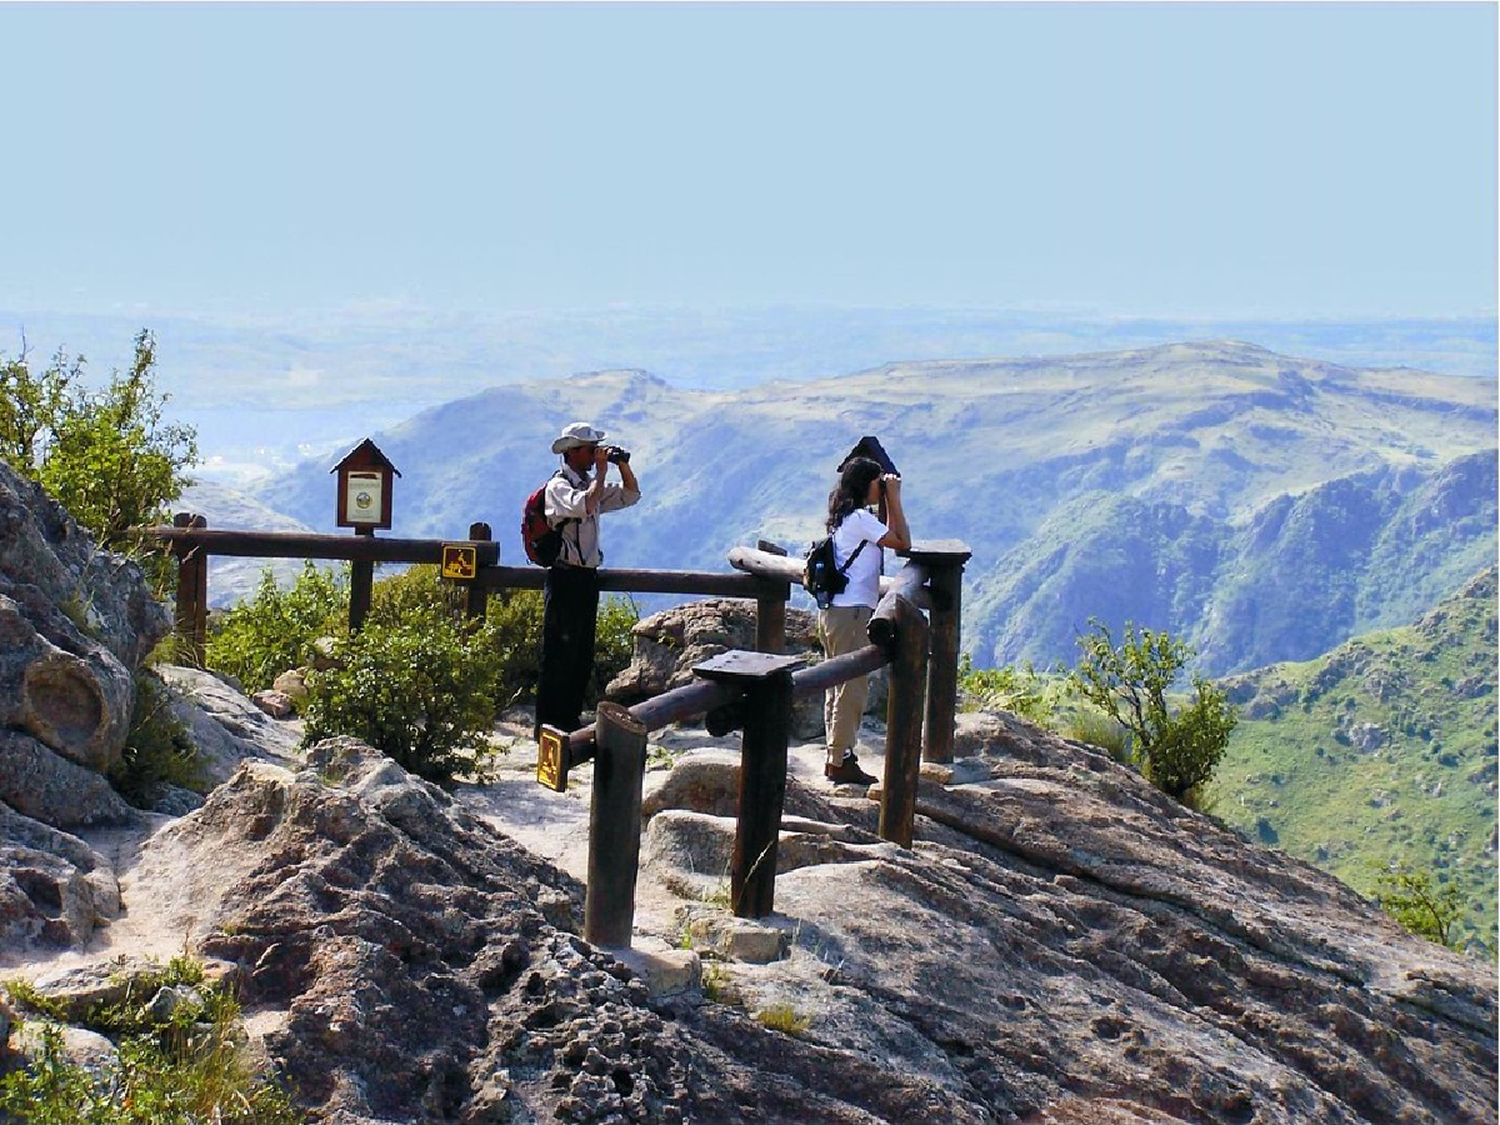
{"points": [[1382, 750], [1366, 551]]}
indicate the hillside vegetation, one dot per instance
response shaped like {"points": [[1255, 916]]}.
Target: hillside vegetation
{"points": [[1194, 478], [1382, 751]]}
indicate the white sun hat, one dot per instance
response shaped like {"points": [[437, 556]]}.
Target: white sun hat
{"points": [[576, 434]]}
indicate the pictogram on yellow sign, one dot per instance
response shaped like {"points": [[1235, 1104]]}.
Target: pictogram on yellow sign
{"points": [[459, 562], [552, 759]]}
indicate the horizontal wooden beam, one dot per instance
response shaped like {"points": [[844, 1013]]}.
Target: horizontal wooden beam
{"points": [[306, 545], [909, 580], [645, 582], [782, 569], [705, 695]]}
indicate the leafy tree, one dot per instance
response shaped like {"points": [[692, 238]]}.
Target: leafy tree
{"points": [[107, 456], [1427, 911], [1176, 750]]}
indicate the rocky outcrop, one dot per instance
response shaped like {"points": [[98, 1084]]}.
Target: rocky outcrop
{"points": [[1062, 944], [74, 624], [54, 888], [224, 726]]}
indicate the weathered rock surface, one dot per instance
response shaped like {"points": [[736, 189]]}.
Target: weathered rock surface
{"points": [[54, 888], [225, 726], [74, 623], [1063, 944], [39, 784]]}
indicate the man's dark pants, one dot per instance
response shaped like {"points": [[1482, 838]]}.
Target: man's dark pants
{"points": [[570, 612]]}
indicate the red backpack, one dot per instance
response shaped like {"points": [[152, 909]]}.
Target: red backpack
{"points": [[542, 541]]}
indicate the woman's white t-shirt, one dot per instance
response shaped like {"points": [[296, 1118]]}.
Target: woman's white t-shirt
{"points": [[864, 574]]}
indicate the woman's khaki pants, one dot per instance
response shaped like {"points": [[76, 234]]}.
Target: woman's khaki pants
{"points": [[843, 629]]}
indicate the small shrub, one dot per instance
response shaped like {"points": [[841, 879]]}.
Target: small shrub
{"points": [[421, 691], [258, 640], [418, 590], [613, 644], [514, 618], [718, 986], [158, 751], [186, 1071], [784, 1018], [53, 1091], [1098, 729], [25, 995], [1017, 690], [1427, 911]]}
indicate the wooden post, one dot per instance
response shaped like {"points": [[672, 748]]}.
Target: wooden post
{"points": [[766, 681], [768, 724], [479, 591], [192, 592], [361, 583], [942, 667], [770, 611], [614, 827], [903, 725], [944, 561]]}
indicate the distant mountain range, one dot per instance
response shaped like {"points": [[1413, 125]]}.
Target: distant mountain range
{"points": [[266, 390], [1265, 507], [1381, 751]]}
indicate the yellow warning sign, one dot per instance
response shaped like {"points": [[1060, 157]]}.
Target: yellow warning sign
{"points": [[552, 759], [459, 561]]}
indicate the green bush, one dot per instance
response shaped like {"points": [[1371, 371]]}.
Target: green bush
{"points": [[1097, 729], [1423, 909], [258, 640], [1021, 691], [613, 644], [186, 1070], [1177, 750], [515, 617], [158, 751], [515, 621], [421, 691], [416, 590]]}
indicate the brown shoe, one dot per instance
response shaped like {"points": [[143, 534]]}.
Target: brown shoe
{"points": [[848, 772]]}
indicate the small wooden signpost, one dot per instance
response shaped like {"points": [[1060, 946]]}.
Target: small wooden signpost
{"points": [[365, 477]]}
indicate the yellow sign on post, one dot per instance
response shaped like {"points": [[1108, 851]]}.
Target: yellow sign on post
{"points": [[460, 561], [552, 759]]}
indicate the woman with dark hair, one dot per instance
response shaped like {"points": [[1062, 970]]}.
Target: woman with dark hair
{"points": [[858, 537]]}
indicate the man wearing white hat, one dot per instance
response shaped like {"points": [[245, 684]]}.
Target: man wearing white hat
{"points": [[575, 498]]}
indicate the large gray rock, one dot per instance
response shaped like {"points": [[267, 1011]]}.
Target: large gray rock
{"points": [[41, 546], [54, 888], [225, 726], [74, 624], [61, 687], [44, 786]]}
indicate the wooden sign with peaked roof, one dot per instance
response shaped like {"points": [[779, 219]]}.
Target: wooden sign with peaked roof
{"points": [[365, 487]]}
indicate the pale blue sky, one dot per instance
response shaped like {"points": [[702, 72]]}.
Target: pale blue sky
{"points": [[1172, 160]]}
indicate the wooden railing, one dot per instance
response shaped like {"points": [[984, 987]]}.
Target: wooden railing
{"points": [[748, 691]]}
